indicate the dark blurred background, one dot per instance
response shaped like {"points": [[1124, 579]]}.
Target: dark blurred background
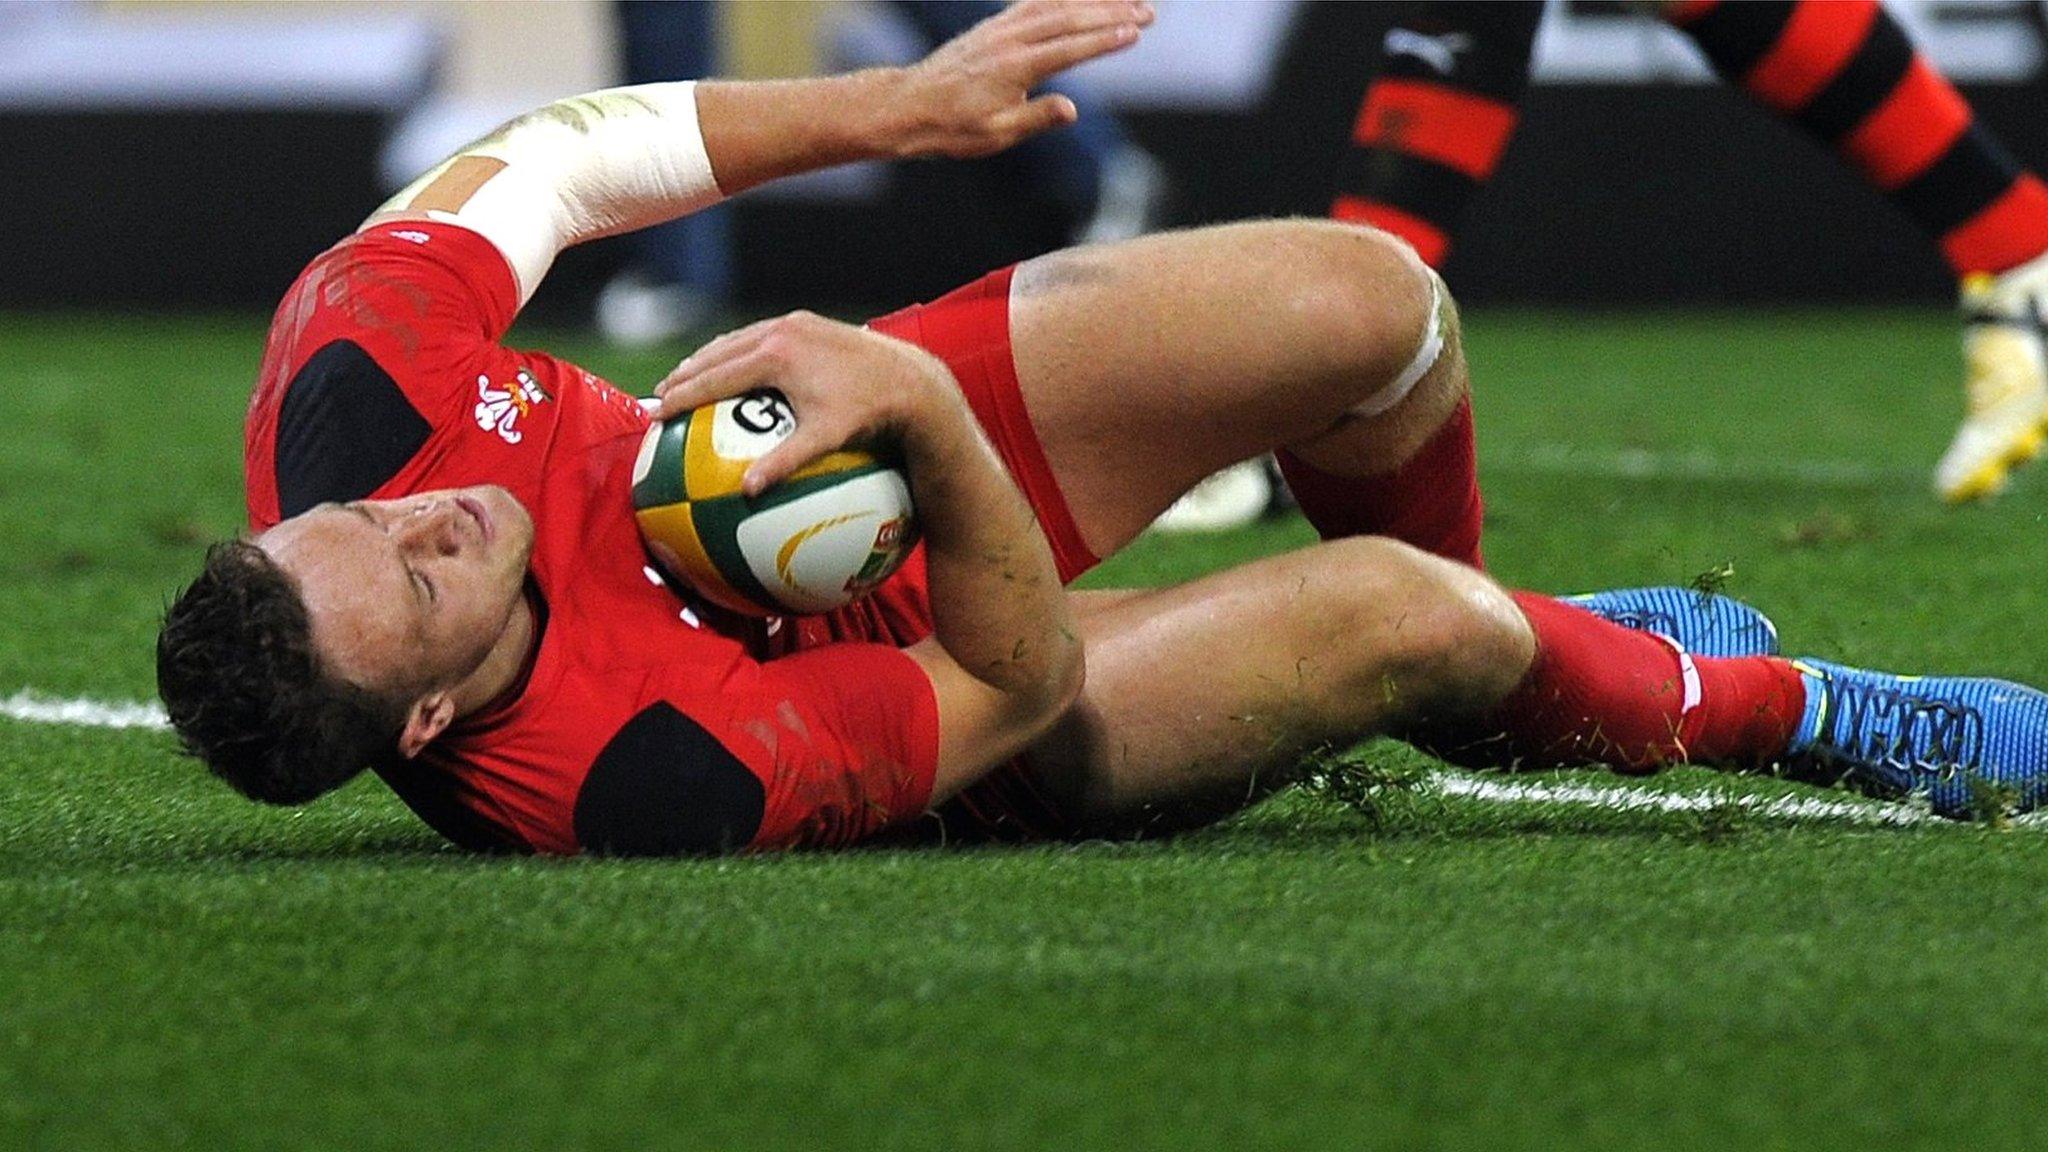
{"points": [[197, 154]]}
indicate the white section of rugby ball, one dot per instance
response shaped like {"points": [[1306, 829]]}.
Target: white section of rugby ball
{"points": [[745, 427], [837, 533], [644, 462]]}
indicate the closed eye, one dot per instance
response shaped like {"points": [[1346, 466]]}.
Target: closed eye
{"points": [[422, 587]]}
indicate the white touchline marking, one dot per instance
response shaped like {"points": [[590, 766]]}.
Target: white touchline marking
{"points": [[35, 708], [1621, 798], [1644, 464]]}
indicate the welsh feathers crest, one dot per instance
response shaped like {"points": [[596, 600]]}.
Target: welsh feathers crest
{"points": [[499, 409]]}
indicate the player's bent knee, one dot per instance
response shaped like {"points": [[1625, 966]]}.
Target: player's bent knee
{"points": [[1383, 319], [1428, 638], [1378, 304], [1402, 380]]}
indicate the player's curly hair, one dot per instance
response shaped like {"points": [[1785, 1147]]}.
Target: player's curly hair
{"points": [[244, 688]]}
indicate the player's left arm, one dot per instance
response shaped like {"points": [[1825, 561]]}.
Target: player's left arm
{"points": [[626, 158], [1005, 659]]}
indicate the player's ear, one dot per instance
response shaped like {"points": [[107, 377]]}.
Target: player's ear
{"points": [[429, 716]]}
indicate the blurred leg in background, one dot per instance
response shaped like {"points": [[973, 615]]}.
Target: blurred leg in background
{"points": [[1845, 73], [1443, 104], [682, 272], [1090, 170], [1436, 117]]}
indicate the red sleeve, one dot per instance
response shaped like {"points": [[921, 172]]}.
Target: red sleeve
{"points": [[846, 742], [425, 299], [419, 299], [386, 338], [468, 287]]}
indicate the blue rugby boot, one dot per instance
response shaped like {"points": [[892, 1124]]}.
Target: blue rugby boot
{"points": [[1943, 737], [1702, 623]]}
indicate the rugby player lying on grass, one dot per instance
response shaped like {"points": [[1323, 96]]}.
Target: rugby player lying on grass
{"points": [[446, 584]]}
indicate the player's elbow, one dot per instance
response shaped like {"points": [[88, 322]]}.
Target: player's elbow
{"points": [[1039, 683], [1072, 675], [1046, 678]]}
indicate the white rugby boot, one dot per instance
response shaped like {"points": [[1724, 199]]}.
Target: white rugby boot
{"points": [[1232, 498], [2005, 318]]}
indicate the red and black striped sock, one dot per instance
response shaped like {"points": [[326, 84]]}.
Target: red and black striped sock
{"points": [[1844, 71], [1436, 119]]}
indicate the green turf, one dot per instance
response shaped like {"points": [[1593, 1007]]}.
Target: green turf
{"points": [[178, 969]]}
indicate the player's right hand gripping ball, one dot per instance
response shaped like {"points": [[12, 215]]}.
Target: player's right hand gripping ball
{"points": [[819, 540]]}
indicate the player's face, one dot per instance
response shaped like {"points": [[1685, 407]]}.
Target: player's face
{"points": [[408, 595]]}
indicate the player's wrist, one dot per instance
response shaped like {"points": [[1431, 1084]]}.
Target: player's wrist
{"points": [[860, 117], [928, 389], [914, 112], [934, 430], [892, 113], [928, 423]]}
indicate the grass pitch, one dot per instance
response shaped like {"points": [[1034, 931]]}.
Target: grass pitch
{"points": [[178, 968]]}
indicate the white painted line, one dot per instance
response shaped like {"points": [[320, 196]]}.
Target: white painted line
{"points": [[1642, 464], [1622, 798], [35, 708]]}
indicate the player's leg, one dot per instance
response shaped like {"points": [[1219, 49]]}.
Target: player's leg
{"points": [[1206, 696], [1845, 71], [1437, 115], [1149, 365], [1201, 697]]}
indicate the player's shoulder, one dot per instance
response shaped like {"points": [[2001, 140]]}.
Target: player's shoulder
{"points": [[345, 427], [376, 292], [381, 340], [634, 756], [405, 285], [410, 238]]}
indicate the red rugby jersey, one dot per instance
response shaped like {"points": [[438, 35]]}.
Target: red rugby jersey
{"points": [[643, 726]]}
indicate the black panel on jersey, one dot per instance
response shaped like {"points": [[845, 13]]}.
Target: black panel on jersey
{"points": [[1870, 76], [431, 799], [344, 428], [1974, 171], [1736, 35], [666, 787]]}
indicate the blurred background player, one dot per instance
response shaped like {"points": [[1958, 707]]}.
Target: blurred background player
{"points": [[1089, 173], [1444, 103], [682, 271]]}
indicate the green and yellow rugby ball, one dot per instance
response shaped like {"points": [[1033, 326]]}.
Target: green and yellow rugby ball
{"points": [[819, 540]]}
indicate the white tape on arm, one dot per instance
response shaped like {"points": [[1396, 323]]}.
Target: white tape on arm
{"points": [[575, 170]]}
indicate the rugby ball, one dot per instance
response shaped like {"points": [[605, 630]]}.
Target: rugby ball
{"points": [[819, 540]]}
